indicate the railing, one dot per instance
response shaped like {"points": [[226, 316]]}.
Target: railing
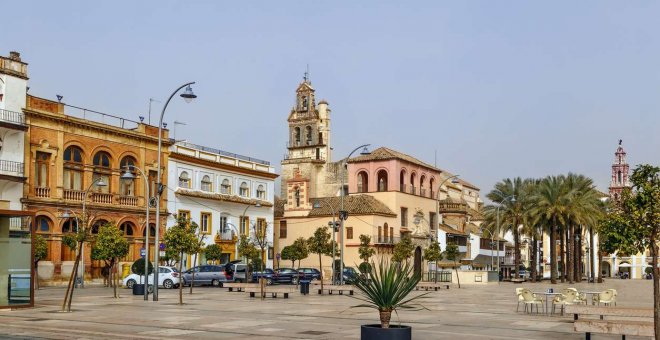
{"points": [[104, 118], [74, 195], [128, 200], [12, 117], [296, 144], [446, 206], [223, 153], [403, 188], [42, 191], [101, 197], [413, 190], [382, 239], [422, 192], [443, 276], [11, 167]]}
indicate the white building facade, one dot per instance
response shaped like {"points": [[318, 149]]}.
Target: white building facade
{"points": [[226, 194]]}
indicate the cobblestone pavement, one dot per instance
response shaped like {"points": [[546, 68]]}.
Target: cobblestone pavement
{"points": [[471, 312]]}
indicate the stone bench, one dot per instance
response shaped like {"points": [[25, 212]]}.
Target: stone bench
{"points": [[617, 327], [337, 289], [239, 287], [272, 294], [431, 286]]}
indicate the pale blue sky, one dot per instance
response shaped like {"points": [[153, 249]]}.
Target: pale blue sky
{"points": [[498, 88]]}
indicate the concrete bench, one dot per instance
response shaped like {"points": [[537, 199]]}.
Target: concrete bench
{"points": [[239, 287], [618, 327], [432, 286], [272, 294]]}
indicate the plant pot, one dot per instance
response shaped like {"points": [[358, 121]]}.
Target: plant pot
{"points": [[375, 332], [138, 289]]}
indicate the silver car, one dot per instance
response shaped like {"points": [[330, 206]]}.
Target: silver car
{"points": [[205, 275]]}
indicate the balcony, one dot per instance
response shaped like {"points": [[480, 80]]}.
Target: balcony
{"points": [[131, 201], [74, 195], [43, 192], [11, 117], [304, 144], [453, 207], [384, 240], [102, 197], [422, 192], [413, 190], [11, 168]]}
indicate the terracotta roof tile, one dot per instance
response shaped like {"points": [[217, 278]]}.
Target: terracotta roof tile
{"points": [[354, 204], [221, 197], [384, 153]]}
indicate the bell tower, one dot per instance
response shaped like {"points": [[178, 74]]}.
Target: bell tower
{"points": [[620, 170]]}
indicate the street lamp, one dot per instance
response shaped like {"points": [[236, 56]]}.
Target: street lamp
{"points": [[343, 214], [129, 176], [188, 96], [317, 205], [99, 183], [512, 199], [231, 225]]}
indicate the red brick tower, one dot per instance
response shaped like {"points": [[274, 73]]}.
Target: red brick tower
{"points": [[620, 170]]}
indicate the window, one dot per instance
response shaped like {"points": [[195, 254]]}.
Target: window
{"points": [[70, 225], [223, 224], [42, 224], [282, 229], [73, 168], [297, 196], [404, 217], [153, 183], [225, 187], [412, 183], [363, 182], [380, 234], [308, 135], [349, 233], [271, 251], [431, 184], [127, 186], [206, 183], [41, 171], [184, 214], [421, 185], [245, 225], [97, 225], [261, 226], [184, 180], [261, 192], [244, 189], [402, 181], [152, 230], [205, 223], [386, 232], [296, 133], [102, 171], [432, 221], [382, 180], [126, 228]]}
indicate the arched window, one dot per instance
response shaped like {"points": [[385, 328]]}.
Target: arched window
{"points": [[152, 230], [127, 186], [73, 168], [41, 170], [619, 177], [127, 228], [391, 232], [244, 189], [102, 171], [206, 183], [412, 183], [363, 182], [70, 225], [422, 190], [402, 181], [308, 134], [431, 187], [42, 224], [385, 232], [297, 196], [382, 180], [97, 225], [184, 180], [296, 135], [261, 192], [380, 234], [225, 187]]}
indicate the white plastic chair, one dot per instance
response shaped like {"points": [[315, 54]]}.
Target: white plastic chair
{"points": [[530, 299]]}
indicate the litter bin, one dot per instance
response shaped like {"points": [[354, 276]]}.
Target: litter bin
{"points": [[304, 287]]}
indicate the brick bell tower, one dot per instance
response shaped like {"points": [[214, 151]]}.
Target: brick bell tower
{"points": [[620, 171]]}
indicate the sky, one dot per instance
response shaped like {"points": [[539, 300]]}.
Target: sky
{"points": [[495, 89]]}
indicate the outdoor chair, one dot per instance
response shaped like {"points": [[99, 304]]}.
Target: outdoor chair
{"points": [[520, 298], [607, 297], [569, 297], [530, 299], [579, 297]]}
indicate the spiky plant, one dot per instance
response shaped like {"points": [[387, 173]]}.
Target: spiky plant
{"points": [[386, 288]]}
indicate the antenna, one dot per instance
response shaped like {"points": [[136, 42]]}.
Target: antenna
{"points": [[306, 77], [150, 101], [176, 122], [435, 158]]}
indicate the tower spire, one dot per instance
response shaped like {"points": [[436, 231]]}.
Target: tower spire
{"points": [[306, 76], [620, 172]]}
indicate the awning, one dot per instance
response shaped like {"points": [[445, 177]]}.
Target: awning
{"points": [[624, 265], [484, 260], [444, 263]]}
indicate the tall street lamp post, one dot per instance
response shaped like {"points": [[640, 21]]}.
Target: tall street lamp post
{"points": [[129, 176], [99, 183], [188, 96], [342, 213], [317, 205]]}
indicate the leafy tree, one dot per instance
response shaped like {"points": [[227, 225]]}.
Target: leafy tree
{"points": [[403, 250], [181, 239], [213, 252], [286, 255], [638, 216], [364, 250], [300, 251], [434, 254], [452, 254], [247, 250], [110, 246], [40, 253], [321, 244]]}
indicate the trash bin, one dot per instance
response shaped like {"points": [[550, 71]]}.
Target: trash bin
{"points": [[304, 287]]}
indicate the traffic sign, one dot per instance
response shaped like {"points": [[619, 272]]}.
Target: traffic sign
{"points": [[161, 246], [142, 252], [343, 215]]}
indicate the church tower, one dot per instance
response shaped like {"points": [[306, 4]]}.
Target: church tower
{"points": [[620, 170], [307, 167]]}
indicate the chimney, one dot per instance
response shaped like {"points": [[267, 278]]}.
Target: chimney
{"points": [[13, 55]]}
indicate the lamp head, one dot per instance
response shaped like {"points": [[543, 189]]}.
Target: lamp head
{"points": [[317, 205], [513, 199], [455, 180], [188, 94], [127, 175], [258, 205], [101, 183], [66, 214], [365, 151]]}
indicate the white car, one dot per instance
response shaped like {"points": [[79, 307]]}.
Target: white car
{"points": [[168, 277]]}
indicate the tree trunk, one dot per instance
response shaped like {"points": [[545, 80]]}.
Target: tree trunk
{"points": [[591, 254], [656, 288], [516, 249], [534, 264], [553, 252], [321, 270], [458, 279], [385, 316], [570, 253], [74, 274], [114, 275], [579, 268], [435, 274], [181, 283], [600, 267], [192, 283], [562, 253], [36, 275]]}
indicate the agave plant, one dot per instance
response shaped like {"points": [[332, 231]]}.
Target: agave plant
{"points": [[386, 287]]}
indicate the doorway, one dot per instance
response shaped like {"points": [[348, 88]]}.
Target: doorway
{"points": [[418, 261]]}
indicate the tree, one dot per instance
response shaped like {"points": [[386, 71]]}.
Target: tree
{"points": [[213, 252], [287, 254], [403, 250], [300, 250], [321, 244], [110, 246], [247, 250], [452, 254], [180, 239], [638, 214], [433, 254], [40, 253], [365, 251]]}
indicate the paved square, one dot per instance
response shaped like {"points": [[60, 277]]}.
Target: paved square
{"points": [[472, 312]]}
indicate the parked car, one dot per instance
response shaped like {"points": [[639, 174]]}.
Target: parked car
{"points": [[309, 274], [286, 275], [267, 274], [349, 274], [168, 277], [235, 271], [205, 275]]}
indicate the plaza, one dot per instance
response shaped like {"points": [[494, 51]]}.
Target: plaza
{"points": [[471, 312]]}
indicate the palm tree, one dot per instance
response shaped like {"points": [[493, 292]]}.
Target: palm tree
{"points": [[550, 204]]}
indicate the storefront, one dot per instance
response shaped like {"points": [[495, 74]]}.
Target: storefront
{"points": [[16, 265]]}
